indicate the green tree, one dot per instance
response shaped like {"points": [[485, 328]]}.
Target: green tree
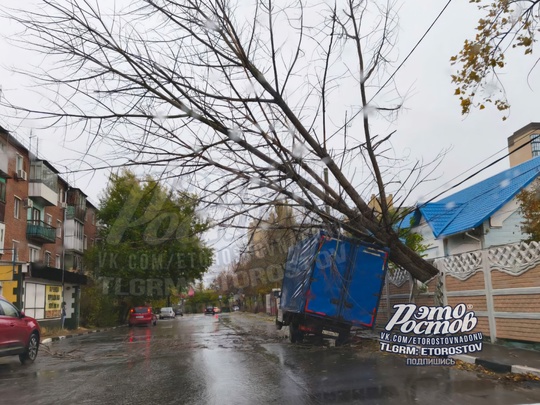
{"points": [[200, 299], [413, 240], [530, 210], [505, 24], [149, 233]]}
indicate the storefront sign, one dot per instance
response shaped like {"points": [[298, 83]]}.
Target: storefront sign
{"points": [[53, 301]]}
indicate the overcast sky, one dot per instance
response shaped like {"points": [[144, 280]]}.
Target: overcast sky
{"points": [[431, 121]]}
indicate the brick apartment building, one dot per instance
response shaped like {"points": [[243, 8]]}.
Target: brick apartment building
{"points": [[45, 227]]}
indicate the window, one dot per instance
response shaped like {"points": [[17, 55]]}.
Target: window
{"points": [[535, 145], [58, 228], [34, 253], [61, 195], [34, 300], [85, 246], [49, 219], [17, 208], [19, 163], [9, 310], [36, 215], [77, 262], [79, 230], [15, 251], [58, 263], [2, 191], [93, 218], [48, 258]]}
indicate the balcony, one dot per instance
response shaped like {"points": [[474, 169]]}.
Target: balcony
{"points": [[72, 243], [41, 232], [43, 183], [4, 159], [76, 212]]}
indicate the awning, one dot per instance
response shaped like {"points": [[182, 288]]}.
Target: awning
{"points": [[38, 270]]}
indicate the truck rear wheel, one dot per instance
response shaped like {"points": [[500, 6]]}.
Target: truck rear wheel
{"points": [[343, 338], [295, 335]]}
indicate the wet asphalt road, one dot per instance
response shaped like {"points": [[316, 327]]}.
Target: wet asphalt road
{"points": [[236, 359]]}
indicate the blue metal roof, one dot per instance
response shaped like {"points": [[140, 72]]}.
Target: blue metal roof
{"points": [[470, 207]]}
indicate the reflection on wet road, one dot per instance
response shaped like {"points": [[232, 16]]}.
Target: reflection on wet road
{"points": [[236, 359]]}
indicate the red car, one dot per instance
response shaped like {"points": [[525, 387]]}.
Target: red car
{"points": [[19, 334], [142, 316]]}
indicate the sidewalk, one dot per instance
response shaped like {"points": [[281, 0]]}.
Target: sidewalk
{"points": [[494, 357], [502, 359], [71, 335]]}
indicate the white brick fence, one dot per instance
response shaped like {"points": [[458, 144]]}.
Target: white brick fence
{"points": [[501, 283]]}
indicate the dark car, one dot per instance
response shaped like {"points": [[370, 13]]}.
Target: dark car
{"points": [[209, 311], [178, 312], [142, 316], [19, 334]]}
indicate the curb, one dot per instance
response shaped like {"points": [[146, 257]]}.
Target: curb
{"points": [[57, 338], [494, 366], [498, 367]]}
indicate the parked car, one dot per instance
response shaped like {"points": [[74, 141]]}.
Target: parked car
{"points": [[19, 334], [236, 308], [142, 316], [209, 311], [167, 312], [178, 312]]}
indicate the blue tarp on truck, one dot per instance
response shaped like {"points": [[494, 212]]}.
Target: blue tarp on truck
{"points": [[333, 279]]}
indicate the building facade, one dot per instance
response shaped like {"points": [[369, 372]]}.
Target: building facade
{"points": [[42, 235], [524, 144]]}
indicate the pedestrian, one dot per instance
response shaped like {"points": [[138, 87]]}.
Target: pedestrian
{"points": [[63, 313]]}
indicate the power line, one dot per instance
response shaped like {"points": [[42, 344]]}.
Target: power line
{"points": [[407, 212], [412, 50], [400, 65], [469, 169], [477, 172]]}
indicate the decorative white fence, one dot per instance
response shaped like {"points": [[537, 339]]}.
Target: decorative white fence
{"points": [[502, 284]]}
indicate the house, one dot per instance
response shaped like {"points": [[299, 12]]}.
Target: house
{"points": [[483, 215], [480, 216], [42, 234], [477, 244]]}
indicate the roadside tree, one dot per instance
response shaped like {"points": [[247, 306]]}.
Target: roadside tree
{"points": [[247, 102], [506, 24], [529, 200], [150, 239]]}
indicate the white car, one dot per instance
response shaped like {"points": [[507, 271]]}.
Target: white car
{"points": [[167, 312]]}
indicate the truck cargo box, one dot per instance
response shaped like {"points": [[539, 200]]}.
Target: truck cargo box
{"points": [[338, 280]]}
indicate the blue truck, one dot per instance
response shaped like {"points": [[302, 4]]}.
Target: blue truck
{"points": [[330, 285]]}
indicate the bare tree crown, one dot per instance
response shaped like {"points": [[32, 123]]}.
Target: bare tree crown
{"points": [[249, 104]]}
